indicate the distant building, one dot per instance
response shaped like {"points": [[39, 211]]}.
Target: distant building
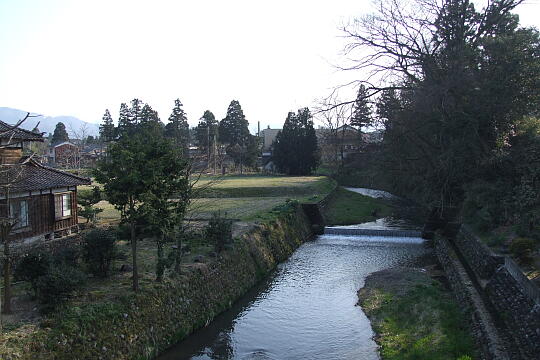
{"points": [[268, 137], [344, 142], [65, 155], [90, 154], [42, 200]]}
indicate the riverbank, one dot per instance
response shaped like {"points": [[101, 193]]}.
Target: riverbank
{"points": [[142, 325], [415, 316], [347, 208]]}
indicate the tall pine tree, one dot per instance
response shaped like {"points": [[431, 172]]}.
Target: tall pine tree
{"points": [[233, 129], [361, 116], [60, 134], [125, 123], [178, 127], [295, 147], [136, 111], [207, 130], [149, 121], [106, 129]]}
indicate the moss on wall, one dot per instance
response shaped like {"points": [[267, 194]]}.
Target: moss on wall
{"points": [[143, 325]]}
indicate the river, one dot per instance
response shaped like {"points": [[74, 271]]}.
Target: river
{"points": [[307, 308]]}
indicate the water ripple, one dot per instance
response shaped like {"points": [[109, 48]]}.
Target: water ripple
{"points": [[307, 309]]}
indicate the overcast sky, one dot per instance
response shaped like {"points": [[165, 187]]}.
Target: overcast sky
{"points": [[60, 57]]}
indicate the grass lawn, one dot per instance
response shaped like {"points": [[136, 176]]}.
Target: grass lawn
{"points": [[234, 208], [415, 317], [263, 186], [240, 197], [348, 208], [109, 215]]}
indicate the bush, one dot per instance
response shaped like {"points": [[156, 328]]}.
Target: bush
{"points": [[66, 256], [58, 284], [99, 251], [522, 248], [219, 232], [32, 265], [123, 232]]}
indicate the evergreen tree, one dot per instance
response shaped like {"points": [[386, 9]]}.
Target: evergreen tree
{"points": [[135, 112], [295, 147], [388, 106], [233, 129], [206, 130], [106, 129], [125, 124], [461, 92], [361, 109], [252, 152], [169, 179], [178, 127], [60, 134], [140, 175]]}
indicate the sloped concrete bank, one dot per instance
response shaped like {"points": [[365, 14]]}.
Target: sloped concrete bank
{"points": [[141, 326], [502, 303]]}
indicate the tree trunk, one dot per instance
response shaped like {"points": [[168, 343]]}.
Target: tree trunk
{"points": [[7, 279], [160, 268], [178, 258], [134, 255]]}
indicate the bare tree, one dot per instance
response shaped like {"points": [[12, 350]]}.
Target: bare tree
{"points": [[435, 57], [80, 136], [396, 46], [332, 136]]}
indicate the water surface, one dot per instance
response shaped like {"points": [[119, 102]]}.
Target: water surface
{"points": [[307, 308]]}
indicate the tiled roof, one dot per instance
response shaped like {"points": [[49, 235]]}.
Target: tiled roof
{"points": [[8, 132], [28, 175]]}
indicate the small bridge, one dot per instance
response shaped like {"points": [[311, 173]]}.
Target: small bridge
{"points": [[372, 232]]}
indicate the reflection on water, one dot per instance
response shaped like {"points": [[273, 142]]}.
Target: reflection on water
{"points": [[306, 310]]}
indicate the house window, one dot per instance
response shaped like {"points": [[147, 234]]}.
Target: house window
{"points": [[62, 205], [19, 211]]}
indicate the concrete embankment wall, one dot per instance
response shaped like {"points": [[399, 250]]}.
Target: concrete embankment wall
{"points": [[142, 326], [510, 296]]}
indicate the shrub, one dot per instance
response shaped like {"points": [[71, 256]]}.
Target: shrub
{"points": [[58, 284], [32, 265], [99, 251], [123, 232], [522, 248], [219, 232], [66, 256]]}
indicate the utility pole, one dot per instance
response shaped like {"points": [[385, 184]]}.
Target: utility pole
{"points": [[215, 152], [208, 144]]}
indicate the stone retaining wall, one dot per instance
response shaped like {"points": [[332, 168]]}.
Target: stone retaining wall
{"points": [[507, 291], [479, 257], [488, 346]]}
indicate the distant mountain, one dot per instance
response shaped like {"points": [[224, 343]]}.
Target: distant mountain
{"points": [[48, 123]]}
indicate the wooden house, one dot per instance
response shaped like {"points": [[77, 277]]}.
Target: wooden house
{"points": [[41, 201], [65, 155]]}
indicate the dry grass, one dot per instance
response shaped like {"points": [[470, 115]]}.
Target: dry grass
{"points": [[240, 197]]}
